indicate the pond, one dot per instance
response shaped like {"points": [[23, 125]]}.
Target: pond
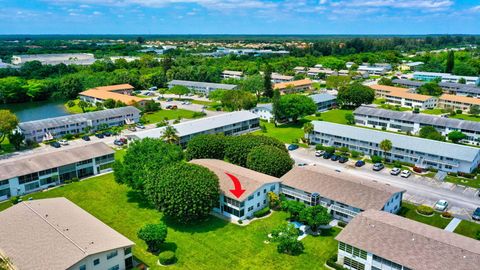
{"points": [[36, 110]]}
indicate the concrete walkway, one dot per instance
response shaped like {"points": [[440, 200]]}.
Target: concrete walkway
{"points": [[452, 225]]}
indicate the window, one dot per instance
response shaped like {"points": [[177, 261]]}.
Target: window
{"points": [[272, 188], [258, 193], [353, 264], [250, 208], [352, 250], [251, 197], [116, 267], [128, 250], [83, 267], [112, 254], [96, 262], [264, 190]]}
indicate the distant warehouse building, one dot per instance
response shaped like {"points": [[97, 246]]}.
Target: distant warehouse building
{"points": [[119, 93], [234, 123], [445, 77], [454, 102], [56, 234], [412, 122], [38, 171], [376, 240], [55, 59], [344, 195], [202, 87], [57, 127], [423, 153]]}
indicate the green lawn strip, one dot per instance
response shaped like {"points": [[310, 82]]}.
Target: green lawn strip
{"points": [[212, 244], [6, 147], [334, 116], [433, 111], [466, 117], [474, 183], [287, 133], [170, 114], [409, 211], [468, 228], [76, 109]]}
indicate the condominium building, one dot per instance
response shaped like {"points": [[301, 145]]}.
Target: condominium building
{"points": [[293, 86], [404, 98], [344, 195], [56, 234], [373, 70], [264, 111], [448, 87], [454, 102], [377, 240], [230, 74], [423, 153], [234, 123], [57, 127], [55, 59], [279, 78], [40, 170], [412, 122], [445, 77], [324, 101], [202, 87], [120, 92], [256, 186]]}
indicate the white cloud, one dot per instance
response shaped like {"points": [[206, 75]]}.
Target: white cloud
{"points": [[97, 13], [475, 9], [405, 4]]}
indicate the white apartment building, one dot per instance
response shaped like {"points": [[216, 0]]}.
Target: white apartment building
{"points": [[57, 127], [372, 70], [264, 111], [445, 77], [279, 78], [455, 102], [55, 59], [404, 97], [377, 240], [202, 87], [56, 234], [256, 186], [230, 74], [324, 101], [34, 172], [423, 153], [344, 195]]}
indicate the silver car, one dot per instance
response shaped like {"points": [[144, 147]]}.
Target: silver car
{"points": [[441, 205]]}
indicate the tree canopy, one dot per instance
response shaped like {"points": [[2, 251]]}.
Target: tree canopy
{"points": [[429, 132], [8, 122], [235, 100], [269, 160], [206, 146], [295, 106], [354, 95], [238, 148]]}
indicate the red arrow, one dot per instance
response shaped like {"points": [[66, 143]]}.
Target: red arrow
{"points": [[238, 191]]}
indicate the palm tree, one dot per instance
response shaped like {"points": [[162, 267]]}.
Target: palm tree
{"points": [[307, 129], [170, 135], [386, 146]]}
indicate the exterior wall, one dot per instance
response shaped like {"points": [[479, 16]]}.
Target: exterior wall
{"points": [[353, 258], [263, 113], [295, 89], [197, 88], [446, 78], [420, 159], [394, 203], [254, 202], [231, 76], [48, 178], [104, 263], [406, 102], [326, 105], [455, 105]]}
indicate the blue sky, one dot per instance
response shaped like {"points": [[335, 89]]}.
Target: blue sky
{"points": [[239, 16]]}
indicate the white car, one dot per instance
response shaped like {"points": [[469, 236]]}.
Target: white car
{"points": [[441, 205], [395, 171], [319, 153], [63, 142], [405, 174]]}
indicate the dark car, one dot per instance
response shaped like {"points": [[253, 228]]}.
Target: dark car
{"points": [[99, 135], [334, 157], [86, 138], [107, 133], [55, 144], [476, 214], [359, 163], [292, 147], [327, 155], [342, 159]]}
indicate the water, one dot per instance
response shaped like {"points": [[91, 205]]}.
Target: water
{"points": [[36, 110]]}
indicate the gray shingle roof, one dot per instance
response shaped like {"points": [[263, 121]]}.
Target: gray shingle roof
{"points": [[410, 243], [203, 84], [426, 119], [454, 87], [408, 82], [317, 98], [76, 118], [457, 151], [53, 234]]}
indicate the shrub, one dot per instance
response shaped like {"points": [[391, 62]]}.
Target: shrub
{"points": [[376, 159], [417, 169], [206, 146], [167, 257], [262, 212], [15, 199], [425, 210], [238, 147], [332, 262], [199, 114], [269, 160], [240, 221], [263, 128], [447, 215], [478, 235], [341, 224], [153, 235], [355, 154], [318, 114], [319, 147], [397, 164], [343, 149], [68, 136], [330, 149]]}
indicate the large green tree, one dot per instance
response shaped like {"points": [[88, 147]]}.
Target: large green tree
{"points": [[253, 84], [269, 160], [183, 191], [286, 237], [293, 207], [456, 136], [296, 106], [179, 90], [450, 62], [238, 147], [153, 235], [429, 132], [354, 95], [206, 146], [70, 86], [431, 89], [315, 216], [235, 100], [142, 157], [8, 122], [267, 79]]}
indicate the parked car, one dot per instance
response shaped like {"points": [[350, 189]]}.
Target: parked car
{"points": [[99, 135], [378, 167], [405, 174], [302, 164], [118, 143], [140, 126], [169, 99], [342, 159], [327, 155], [319, 153], [174, 107], [334, 158], [86, 138], [123, 140], [476, 214], [441, 205], [168, 107], [132, 129], [107, 133], [55, 144], [359, 163], [153, 88], [292, 147], [395, 171], [188, 103], [63, 142]]}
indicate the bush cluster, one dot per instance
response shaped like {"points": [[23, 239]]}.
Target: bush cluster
{"points": [[167, 257], [262, 212], [269, 160], [206, 146], [237, 148], [447, 215], [341, 224], [425, 210], [332, 262], [153, 235]]}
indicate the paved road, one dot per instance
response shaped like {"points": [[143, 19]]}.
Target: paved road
{"points": [[420, 190]]}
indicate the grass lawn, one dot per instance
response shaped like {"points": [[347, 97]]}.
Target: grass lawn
{"points": [[76, 109], [287, 133], [212, 244], [170, 114], [409, 211], [468, 228], [466, 117], [475, 183], [334, 116], [433, 111], [6, 147]]}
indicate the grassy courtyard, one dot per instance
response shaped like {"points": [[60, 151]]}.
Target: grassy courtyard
{"points": [[287, 133], [160, 115], [475, 183], [468, 228], [76, 109], [409, 211], [212, 244]]}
